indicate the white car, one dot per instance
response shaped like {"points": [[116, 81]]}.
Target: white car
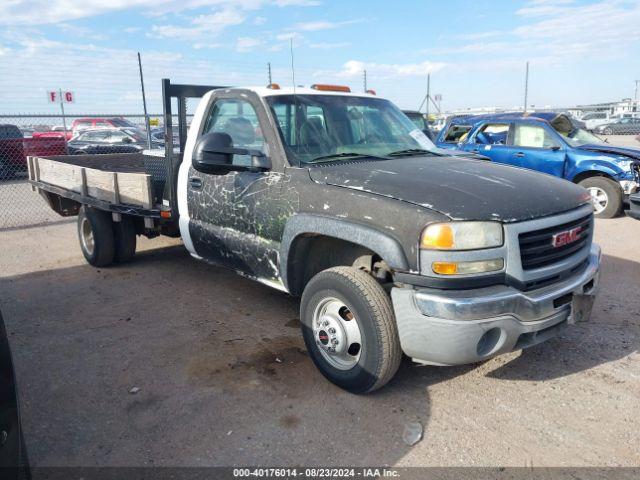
{"points": [[595, 119]]}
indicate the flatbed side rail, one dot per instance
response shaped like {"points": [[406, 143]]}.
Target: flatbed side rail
{"points": [[119, 192], [181, 92]]}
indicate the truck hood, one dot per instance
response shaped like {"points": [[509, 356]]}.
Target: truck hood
{"points": [[459, 188], [629, 152]]}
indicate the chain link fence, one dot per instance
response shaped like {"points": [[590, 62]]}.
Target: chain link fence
{"points": [[44, 136]]}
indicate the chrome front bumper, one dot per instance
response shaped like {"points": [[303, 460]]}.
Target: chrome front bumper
{"points": [[457, 327]]}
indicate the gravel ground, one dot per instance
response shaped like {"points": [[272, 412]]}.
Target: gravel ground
{"points": [[224, 379]]}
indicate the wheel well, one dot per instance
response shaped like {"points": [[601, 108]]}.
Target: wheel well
{"points": [[310, 254], [589, 174]]}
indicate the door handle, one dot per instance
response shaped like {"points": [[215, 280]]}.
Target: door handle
{"points": [[195, 183], [519, 154]]}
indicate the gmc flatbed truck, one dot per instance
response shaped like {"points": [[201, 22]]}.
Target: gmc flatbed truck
{"points": [[334, 196]]}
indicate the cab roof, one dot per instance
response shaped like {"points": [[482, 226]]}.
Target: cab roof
{"points": [[272, 92]]}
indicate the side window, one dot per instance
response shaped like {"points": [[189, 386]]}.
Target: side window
{"points": [[238, 119], [493, 134], [533, 136], [116, 136], [95, 136], [456, 133]]}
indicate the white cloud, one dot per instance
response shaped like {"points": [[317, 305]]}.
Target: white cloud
{"points": [[329, 45], [324, 25], [246, 44], [21, 12], [201, 26], [288, 36], [355, 68], [259, 21]]}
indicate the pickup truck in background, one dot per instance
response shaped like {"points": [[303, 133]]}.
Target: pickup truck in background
{"points": [[337, 197], [554, 144]]}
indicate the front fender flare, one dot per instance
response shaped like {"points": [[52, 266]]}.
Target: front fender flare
{"points": [[382, 244]]}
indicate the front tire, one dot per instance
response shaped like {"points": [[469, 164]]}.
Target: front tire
{"points": [[606, 196], [95, 232], [347, 310]]}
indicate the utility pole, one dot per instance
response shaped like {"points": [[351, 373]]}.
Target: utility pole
{"points": [[636, 94], [144, 103], [526, 87], [365, 80], [269, 68], [428, 93]]}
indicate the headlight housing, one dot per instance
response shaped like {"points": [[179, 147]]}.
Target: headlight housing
{"points": [[462, 236]]}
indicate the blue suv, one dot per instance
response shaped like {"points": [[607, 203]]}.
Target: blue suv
{"points": [[555, 144]]}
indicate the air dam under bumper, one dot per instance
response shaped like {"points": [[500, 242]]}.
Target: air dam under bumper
{"points": [[439, 327]]}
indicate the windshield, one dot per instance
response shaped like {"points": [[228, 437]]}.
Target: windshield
{"points": [[318, 128], [418, 120], [121, 122], [580, 137], [137, 135]]}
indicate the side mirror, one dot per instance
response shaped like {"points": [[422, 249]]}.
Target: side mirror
{"points": [[126, 140], [214, 153], [555, 148]]}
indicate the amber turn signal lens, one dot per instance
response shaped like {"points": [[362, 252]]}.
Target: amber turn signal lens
{"points": [[445, 268], [437, 236]]}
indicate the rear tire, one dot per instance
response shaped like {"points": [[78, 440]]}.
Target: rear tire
{"points": [[606, 196], [95, 232], [362, 361], [124, 236]]}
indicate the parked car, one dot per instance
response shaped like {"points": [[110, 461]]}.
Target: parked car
{"points": [[623, 126], [595, 119], [336, 197], [80, 124], [420, 122], [120, 140], [54, 132], [12, 157], [13, 453], [551, 143], [14, 149]]}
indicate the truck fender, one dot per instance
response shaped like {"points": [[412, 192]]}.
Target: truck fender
{"points": [[596, 166], [382, 244]]}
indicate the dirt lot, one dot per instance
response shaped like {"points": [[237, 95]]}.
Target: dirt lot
{"points": [[224, 378]]}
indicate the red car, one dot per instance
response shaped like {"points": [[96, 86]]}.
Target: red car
{"points": [[14, 149], [88, 123]]}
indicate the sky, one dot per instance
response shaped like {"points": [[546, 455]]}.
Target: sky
{"points": [[579, 51]]}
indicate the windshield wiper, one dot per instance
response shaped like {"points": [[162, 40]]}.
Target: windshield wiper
{"points": [[413, 151], [337, 156]]}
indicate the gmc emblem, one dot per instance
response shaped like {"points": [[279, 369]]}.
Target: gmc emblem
{"points": [[565, 238]]}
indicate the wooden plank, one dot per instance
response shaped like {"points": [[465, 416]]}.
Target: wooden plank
{"points": [[100, 184], [59, 174], [135, 189], [111, 186]]}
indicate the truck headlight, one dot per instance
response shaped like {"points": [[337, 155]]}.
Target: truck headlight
{"points": [[461, 236], [466, 268]]}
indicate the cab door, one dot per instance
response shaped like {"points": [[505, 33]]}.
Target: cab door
{"points": [[491, 140], [537, 147], [231, 215]]}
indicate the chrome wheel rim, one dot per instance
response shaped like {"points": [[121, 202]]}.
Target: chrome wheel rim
{"points": [[336, 333], [599, 198], [86, 236]]}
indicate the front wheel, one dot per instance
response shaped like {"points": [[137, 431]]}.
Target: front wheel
{"points": [[606, 196], [607, 131], [349, 329]]}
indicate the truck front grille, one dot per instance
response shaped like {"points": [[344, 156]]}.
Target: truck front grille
{"points": [[537, 249]]}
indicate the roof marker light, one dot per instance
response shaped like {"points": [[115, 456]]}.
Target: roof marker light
{"points": [[331, 88], [370, 92], [273, 86]]}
